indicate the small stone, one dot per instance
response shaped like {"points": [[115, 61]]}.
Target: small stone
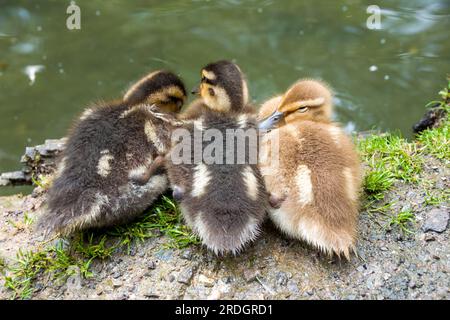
{"points": [[281, 278], [186, 276], [187, 254], [215, 294], [250, 275], [293, 287], [436, 220], [207, 282], [151, 294], [384, 249], [429, 238], [171, 278], [361, 268], [151, 265], [116, 283]]}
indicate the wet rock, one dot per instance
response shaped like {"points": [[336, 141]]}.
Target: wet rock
{"points": [[13, 178], [436, 220]]}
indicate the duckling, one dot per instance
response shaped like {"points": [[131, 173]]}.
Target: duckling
{"points": [[314, 188], [108, 149], [224, 201]]}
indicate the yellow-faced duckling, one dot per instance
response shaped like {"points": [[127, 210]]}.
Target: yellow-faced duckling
{"points": [[109, 147], [224, 201], [315, 186]]}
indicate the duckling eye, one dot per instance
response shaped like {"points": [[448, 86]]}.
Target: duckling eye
{"points": [[211, 92], [303, 109]]}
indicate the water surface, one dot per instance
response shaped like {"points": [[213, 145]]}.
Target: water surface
{"points": [[382, 78]]}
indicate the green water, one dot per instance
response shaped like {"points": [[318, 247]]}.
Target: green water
{"points": [[274, 42]]}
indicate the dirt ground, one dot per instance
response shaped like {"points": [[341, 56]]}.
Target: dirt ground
{"points": [[389, 265]]}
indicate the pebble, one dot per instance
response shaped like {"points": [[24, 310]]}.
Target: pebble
{"points": [[187, 254], [281, 278], [207, 282], [361, 268], [436, 220], [250, 275], [151, 294], [116, 283], [186, 275], [151, 265]]}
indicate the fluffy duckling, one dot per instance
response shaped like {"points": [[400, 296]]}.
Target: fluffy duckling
{"points": [[224, 201], [108, 148], [315, 185]]}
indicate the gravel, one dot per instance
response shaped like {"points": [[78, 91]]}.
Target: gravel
{"points": [[412, 266]]}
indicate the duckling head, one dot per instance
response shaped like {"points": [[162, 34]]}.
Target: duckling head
{"points": [[223, 87], [305, 100], [161, 88]]}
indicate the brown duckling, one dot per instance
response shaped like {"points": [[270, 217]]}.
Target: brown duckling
{"points": [[108, 148], [315, 187]]}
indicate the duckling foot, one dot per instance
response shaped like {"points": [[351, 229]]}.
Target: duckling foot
{"points": [[150, 170], [177, 193], [275, 201]]}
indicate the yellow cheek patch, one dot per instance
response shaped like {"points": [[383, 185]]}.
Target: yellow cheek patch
{"points": [[208, 75], [162, 95]]}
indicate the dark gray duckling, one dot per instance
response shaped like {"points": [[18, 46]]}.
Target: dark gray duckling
{"points": [[98, 182]]}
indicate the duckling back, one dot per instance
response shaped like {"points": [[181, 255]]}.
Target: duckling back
{"points": [[224, 201], [92, 187], [108, 149]]}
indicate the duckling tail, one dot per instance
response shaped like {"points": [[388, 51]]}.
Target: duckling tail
{"points": [[71, 211]]}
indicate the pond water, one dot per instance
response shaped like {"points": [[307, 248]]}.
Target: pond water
{"points": [[382, 78]]}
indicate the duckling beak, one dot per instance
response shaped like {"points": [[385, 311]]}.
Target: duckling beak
{"points": [[271, 121], [196, 90]]}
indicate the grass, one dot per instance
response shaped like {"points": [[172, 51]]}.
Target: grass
{"points": [[164, 217], [403, 220], [391, 158], [54, 261], [435, 198], [60, 261]]}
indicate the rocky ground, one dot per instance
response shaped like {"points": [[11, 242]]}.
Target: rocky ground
{"points": [[390, 264]]}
